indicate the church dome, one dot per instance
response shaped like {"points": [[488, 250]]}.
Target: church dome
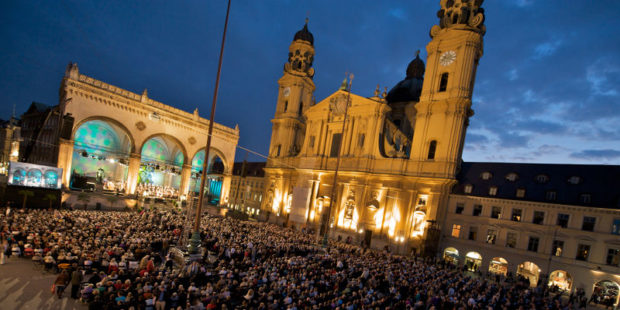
{"points": [[410, 88], [304, 34]]}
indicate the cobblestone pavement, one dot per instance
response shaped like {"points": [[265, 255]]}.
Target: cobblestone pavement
{"points": [[24, 287]]}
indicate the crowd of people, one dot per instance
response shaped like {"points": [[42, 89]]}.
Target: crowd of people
{"points": [[156, 191], [123, 260]]}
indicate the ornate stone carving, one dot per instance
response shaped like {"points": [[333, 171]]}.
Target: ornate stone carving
{"points": [[338, 104], [460, 12], [191, 140], [140, 125]]}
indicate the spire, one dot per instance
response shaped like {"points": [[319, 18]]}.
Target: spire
{"points": [[416, 67], [343, 85], [304, 34]]}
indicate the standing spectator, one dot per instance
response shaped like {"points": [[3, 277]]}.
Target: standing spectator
{"points": [[61, 282], [76, 280]]}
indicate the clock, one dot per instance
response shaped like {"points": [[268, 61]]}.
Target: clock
{"points": [[447, 58], [286, 91]]}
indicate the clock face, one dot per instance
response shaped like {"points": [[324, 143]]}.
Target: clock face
{"points": [[286, 92], [447, 58]]}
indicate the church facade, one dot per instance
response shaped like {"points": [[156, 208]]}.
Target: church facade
{"points": [[396, 153]]}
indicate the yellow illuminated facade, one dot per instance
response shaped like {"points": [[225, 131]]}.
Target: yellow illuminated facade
{"points": [[399, 149]]}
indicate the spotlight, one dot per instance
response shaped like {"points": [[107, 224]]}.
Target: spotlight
{"points": [[84, 154]]}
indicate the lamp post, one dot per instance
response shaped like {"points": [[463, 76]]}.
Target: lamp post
{"points": [[327, 213], [194, 243]]}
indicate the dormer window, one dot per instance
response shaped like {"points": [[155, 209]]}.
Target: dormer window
{"points": [[574, 180], [585, 198], [520, 192], [486, 175], [468, 188], [492, 190], [512, 177], [542, 178]]}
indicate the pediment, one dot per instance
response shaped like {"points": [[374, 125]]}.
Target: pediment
{"points": [[336, 102]]}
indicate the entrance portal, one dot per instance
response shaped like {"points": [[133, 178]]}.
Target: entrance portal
{"points": [[529, 271]]}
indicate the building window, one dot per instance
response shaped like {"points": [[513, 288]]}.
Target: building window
{"points": [[511, 240], [360, 139], [542, 178], [473, 233], [585, 198], [613, 257], [550, 195], [583, 251], [443, 83], [532, 244], [431, 149], [557, 247], [477, 210], [459, 208], [574, 180], [491, 236], [520, 192], [301, 108], [278, 150], [285, 105], [588, 223], [516, 215], [512, 177], [615, 227], [486, 175], [492, 190], [335, 145], [563, 220], [539, 217], [311, 142], [496, 212], [456, 231], [468, 188]]}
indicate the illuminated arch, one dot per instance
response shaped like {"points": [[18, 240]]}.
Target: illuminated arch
{"points": [[530, 271], [561, 279], [176, 141], [473, 260], [451, 255], [498, 265], [199, 155], [132, 144]]}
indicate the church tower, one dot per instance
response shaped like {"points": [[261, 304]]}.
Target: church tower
{"points": [[294, 97], [444, 108]]}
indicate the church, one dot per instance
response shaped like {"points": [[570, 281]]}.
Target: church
{"points": [[386, 172]]}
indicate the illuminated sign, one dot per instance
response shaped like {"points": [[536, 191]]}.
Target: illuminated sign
{"points": [[31, 175]]}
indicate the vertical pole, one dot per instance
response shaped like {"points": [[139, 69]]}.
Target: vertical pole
{"points": [[328, 215], [195, 241]]}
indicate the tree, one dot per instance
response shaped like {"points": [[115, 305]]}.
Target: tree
{"points": [[26, 194], [112, 200], [85, 198], [51, 198]]}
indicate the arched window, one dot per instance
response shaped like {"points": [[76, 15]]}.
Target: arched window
{"points": [[301, 108], [443, 83], [285, 105], [431, 149]]}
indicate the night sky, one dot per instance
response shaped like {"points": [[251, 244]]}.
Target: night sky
{"points": [[547, 89]]}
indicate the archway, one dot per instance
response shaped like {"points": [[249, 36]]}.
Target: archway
{"points": [[451, 255], [529, 271], [498, 265], [473, 260], [561, 279], [162, 159], [605, 293], [100, 156], [215, 172]]}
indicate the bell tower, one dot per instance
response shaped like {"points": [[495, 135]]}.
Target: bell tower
{"points": [[445, 102], [294, 97]]}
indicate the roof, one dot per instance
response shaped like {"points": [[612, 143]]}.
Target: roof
{"points": [[571, 183], [253, 169], [37, 107]]}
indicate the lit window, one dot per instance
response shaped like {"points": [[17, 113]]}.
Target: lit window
{"points": [[542, 178], [491, 236], [477, 210], [456, 230], [550, 195], [583, 251], [468, 188], [516, 215], [496, 212], [613, 257], [520, 192], [557, 247], [615, 227], [574, 180], [539, 217], [492, 190], [512, 177], [532, 244], [588, 223], [486, 175]]}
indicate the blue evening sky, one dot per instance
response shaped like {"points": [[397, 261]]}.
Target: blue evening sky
{"points": [[547, 89]]}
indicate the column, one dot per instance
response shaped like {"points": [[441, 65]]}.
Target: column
{"points": [[65, 157], [186, 173], [132, 173], [225, 188]]}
